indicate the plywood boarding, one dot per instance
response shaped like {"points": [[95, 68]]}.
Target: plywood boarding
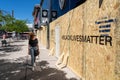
{"points": [[91, 60], [42, 35], [100, 59], [52, 38], [63, 24], [76, 47], [117, 38], [39, 36]]}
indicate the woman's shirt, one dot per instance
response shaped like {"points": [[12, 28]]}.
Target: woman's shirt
{"points": [[33, 43], [4, 36]]}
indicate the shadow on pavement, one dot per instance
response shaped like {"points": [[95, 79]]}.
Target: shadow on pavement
{"points": [[11, 48], [19, 71], [19, 41], [44, 72], [9, 70]]}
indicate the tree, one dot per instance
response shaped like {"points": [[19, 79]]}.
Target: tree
{"points": [[12, 24], [21, 25], [8, 19], [18, 26], [1, 16]]}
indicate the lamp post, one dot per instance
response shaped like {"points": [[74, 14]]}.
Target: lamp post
{"points": [[48, 26], [12, 15]]}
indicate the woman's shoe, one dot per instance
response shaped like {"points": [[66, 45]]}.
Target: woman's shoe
{"points": [[33, 68], [34, 64]]}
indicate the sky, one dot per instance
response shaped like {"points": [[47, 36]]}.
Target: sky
{"points": [[22, 8]]}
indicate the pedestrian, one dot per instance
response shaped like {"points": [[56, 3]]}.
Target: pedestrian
{"points": [[4, 42], [33, 49], [13, 35]]}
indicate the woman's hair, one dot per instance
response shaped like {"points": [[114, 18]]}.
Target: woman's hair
{"points": [[32, 35]]}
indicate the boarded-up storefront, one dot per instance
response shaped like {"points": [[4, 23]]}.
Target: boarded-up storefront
{"points": [[90, 36]]}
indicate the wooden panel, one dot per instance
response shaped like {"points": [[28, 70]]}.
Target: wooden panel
{"points": [[91, 55]]}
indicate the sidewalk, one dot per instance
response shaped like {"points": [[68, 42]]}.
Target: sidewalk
{"points": [[14, 65]]}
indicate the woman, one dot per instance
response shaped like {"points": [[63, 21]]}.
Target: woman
{"points": [[4, 42], [33, 47]]}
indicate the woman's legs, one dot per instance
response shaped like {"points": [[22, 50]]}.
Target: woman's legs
{"points": [[32, 56]]}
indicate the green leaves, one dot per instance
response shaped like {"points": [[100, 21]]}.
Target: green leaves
{"points": [[17, 25], [12, 24], [8, 19], [21, 26]]}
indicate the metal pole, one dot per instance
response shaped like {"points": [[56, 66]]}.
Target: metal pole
{"points": [[48, 24], [12, 15], [41, 3]]}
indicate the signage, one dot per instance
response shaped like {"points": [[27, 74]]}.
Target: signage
{"points": [[102, 40], [54, 14], [104, 26], [44, 19], [45, 13]]}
